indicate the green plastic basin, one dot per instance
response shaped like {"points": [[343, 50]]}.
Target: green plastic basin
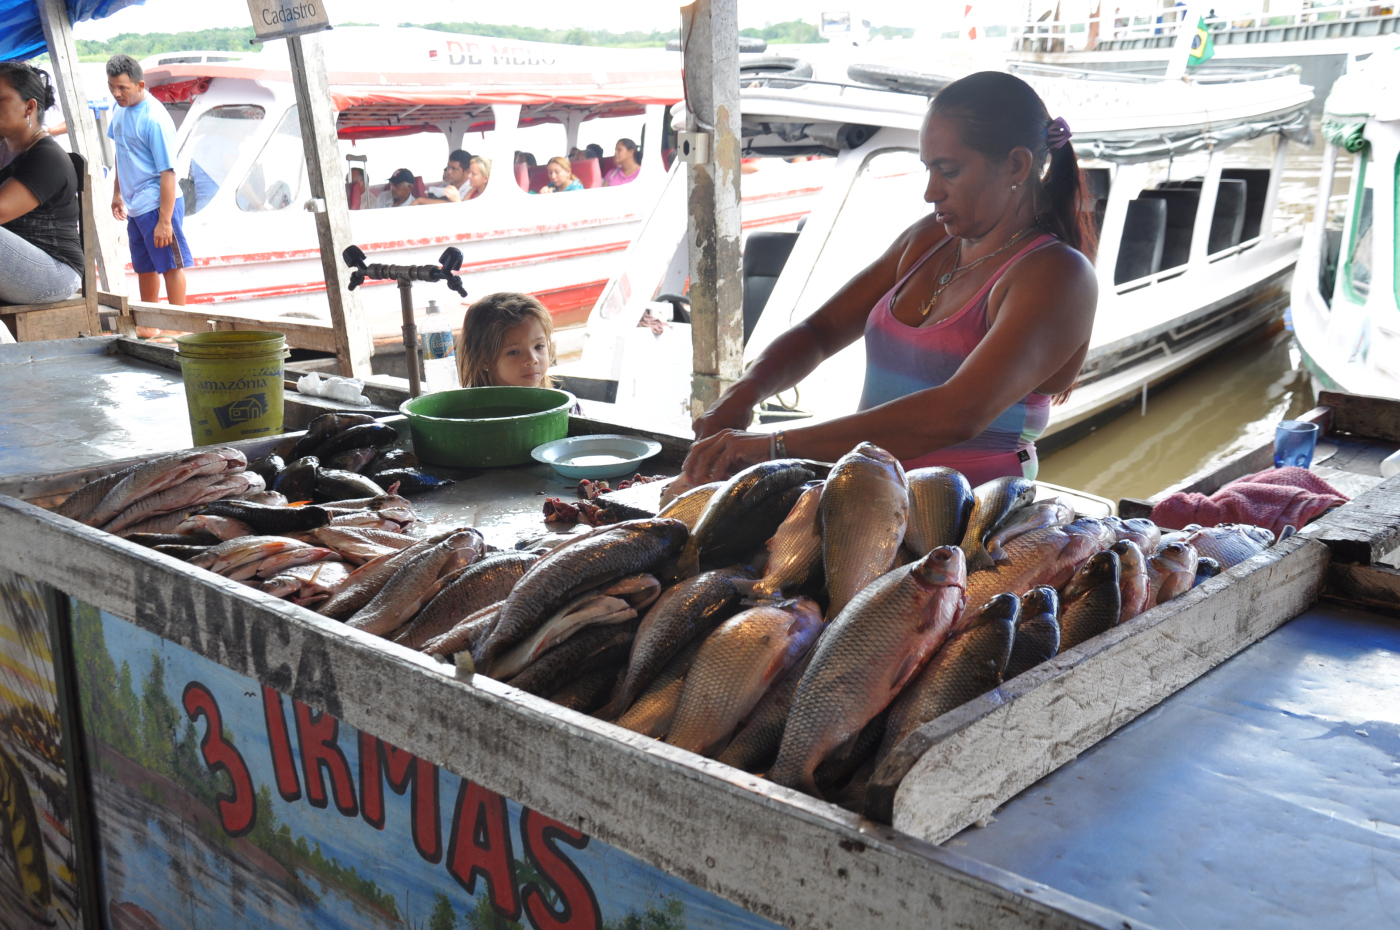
{"points": [[486, 426]]}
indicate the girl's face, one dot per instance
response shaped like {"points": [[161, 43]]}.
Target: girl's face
{"points": [[524, 358], [558, 176], [477, 178]]}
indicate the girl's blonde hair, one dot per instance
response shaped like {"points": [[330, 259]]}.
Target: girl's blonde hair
{"points": [[485, 164], [563, 162], [484, 333]]}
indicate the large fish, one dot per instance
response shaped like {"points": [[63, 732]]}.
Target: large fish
{"points": [[322, 428], [179, 498], [743, 513], [162, 473], [1134, 584], [1092, 601], [602, 645], [688, 610], [464, 635], [864, 514], [1045, 557], [995, 500], [1171, 571], [795, 551], [873, 648], [755, 744], [940, 504], [688, 506], [969, 664], [359, 545], [487, 582], [268, 519], [235, 553], [414, 583], [1146, 534], [652, 712], [593, 560], [279, 562], [306, 581], [1230, 543], [1022, 520], [735, 667], [82, 501], [367, 580], [1037, 632]]}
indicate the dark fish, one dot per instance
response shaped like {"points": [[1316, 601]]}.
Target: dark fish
{"points": [[480, 585], [352, 459], [297, 482], [995, 500], [268, 467], [183, 553], [600, 645], [588, 692], [837, 767], [197, 538], [1206, 569], [410, 480], [940, 504], [465, 635], [269, 520], [864, 512], [688, 506], [652, 712], [969, 665], [82, 501], [394, 458], [795, 551], [333, 485], [755, 744], [364, 436], [324, 427], [742, 514], [1037, 632], [595, 559], [1092, 601]]}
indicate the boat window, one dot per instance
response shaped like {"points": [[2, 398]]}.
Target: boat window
{"points": [[275, 180], [1358, 276], [212, 148]]}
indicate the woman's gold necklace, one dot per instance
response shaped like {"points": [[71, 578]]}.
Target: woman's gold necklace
{"points": [[949, 277]]}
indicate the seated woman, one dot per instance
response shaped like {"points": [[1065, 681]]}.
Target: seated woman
{"points": [[478, 176], [561, 177], [41, 254], [629, 164]]}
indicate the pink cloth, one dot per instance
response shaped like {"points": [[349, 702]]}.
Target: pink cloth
{"points": [[1275, 498], [615, 177]]}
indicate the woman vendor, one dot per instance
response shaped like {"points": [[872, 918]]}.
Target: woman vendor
{"points": [[974, 319]]}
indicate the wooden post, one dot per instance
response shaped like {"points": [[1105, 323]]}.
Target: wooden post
{"points": [[317, 113], [710, 38], [82, 131]]}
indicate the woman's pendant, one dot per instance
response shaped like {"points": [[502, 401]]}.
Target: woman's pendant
{"points": [[946, 278]]}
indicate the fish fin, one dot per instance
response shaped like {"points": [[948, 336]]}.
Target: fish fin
{"points": [[908, 668], [978, 560], [997, 554], [1288, 531]]}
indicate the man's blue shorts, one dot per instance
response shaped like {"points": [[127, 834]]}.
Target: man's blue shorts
{"points": [[145, 257]]}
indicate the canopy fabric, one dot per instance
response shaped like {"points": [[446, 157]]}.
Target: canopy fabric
{"points": [[22, 33], [1131, 148]]}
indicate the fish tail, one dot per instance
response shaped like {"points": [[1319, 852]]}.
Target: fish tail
{"points": [[978, 559], [997, 554]]}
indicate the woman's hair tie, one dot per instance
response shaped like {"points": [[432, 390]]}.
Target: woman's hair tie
{"points": [[1057, 133]]}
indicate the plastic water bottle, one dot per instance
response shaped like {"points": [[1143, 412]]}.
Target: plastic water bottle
{"points": [[1390, 467], [439, 355]]}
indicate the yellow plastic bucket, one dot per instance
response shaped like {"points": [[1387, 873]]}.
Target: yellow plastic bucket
{"points": [[233, 384]]}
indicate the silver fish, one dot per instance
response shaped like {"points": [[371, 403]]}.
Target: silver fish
{"points": [[995, 500], [864, 514], [651, 714], [414, 583], [1134, 583], [1022, 520], [1230, 543], [688, 506], [795, 551], [165, 472], [940, 505]]}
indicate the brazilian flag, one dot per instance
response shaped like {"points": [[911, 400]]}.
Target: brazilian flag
{"points": [[1202, 44]]}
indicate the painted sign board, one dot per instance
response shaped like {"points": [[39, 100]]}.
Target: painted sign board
{"points": [[281, 19]]}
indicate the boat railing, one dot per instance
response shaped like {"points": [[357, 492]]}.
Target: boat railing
{"points": [[1235, 75]]}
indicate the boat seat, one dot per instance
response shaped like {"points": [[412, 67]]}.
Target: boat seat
{"points": [[1144, 236], [539, 177], [1181, 217], [1227, 224], [419, 188], [608, 163], [765, 254], [588, 172], [522, 176], [1257, 180]]}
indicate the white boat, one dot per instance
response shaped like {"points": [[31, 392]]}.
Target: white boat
{"points": [[420, 94], [1191, 254], [1346, 290]]}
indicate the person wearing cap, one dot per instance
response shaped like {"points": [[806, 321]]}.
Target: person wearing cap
{"points": [[974, 320], [399, 192]]}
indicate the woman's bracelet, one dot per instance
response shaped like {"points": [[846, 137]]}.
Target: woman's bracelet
{"points": [[777, 446]]}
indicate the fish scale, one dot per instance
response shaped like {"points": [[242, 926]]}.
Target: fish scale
{"points": [[743, 513], [413, 583], [571, 658], [755, 745], [1092, 602], [689, 506], [482, 584], [162, 473], [652, 712], [940, 504], [1037, 636], [864, 512]]}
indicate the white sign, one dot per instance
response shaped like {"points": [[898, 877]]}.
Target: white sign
{"points": [[280, 19]]}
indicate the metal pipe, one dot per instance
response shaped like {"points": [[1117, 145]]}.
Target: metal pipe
{"points": [[410, 339]]}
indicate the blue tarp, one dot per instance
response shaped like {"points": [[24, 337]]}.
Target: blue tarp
{"points": [[22, 35]]}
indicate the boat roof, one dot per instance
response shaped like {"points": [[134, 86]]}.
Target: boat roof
{"points": [[1369, 89]]}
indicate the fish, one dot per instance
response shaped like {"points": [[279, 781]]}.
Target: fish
{"points": [[353, 460], [795, 551], [386, 506], [297, 482], [230, 555], [615, 602], [1230, 543], [587, 692], [266, 519], [366, 519], [270, 498], [837, 767], [651, 714], [165, 523], [551, 582], [868, 653], [1206, 569], [940, 504], [1146, 534], [1092, 601], [465, 634], [735, 667], [968, 665], [333, 485], [394, 458], [864, 513], [742, 514], [412, 585], [1037, 632], [1022, 520], [359, 545], [1134, 584], [688, 506], [487, 582], [162, 473], [255, 484], [372, 435], [324, 427], [181, 497], [601, 645], [280, 561], [410, 480], [676, 487], [151, 540], [1171, 571], [268, 467], [223, 528], [367, 580], [183, 552], [994, 500], [1045, 557], [82, 501], [685, 611], [755, 743], [307, 580]]}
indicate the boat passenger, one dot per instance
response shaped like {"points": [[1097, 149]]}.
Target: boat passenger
{"points": [[41, 256], [360, 179], [525, 158], [974, 319], [594, 150], [454, 178], [478, 176], [629, 164], [507, 339], [399, 193], [561, 177]]}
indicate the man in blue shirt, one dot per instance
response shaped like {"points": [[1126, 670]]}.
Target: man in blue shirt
{"points": [[145, 137]]}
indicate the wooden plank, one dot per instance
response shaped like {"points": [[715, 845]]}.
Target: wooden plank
{"points": [[64, 320], [301, 334], [1372, 417], [980, 755], [777, 853], [1364, 530], [1376, 587], [153, 353]]}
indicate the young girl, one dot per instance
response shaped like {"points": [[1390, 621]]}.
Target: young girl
{"points": [[507, 340]]}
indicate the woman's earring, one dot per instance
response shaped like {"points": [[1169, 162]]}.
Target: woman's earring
{"points": [[1013, 187]]}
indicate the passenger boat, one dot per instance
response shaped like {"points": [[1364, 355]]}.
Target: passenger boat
{"points": [[1345, 294]]}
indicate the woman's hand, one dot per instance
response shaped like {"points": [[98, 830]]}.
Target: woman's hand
{"points": [[733, 411], [726, 452]]}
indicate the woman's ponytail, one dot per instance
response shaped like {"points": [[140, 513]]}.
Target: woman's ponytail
{"points": [[1066, 211]]}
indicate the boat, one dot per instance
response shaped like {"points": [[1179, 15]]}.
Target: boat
{"points": [[1191, 254], [1344, 314]]}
